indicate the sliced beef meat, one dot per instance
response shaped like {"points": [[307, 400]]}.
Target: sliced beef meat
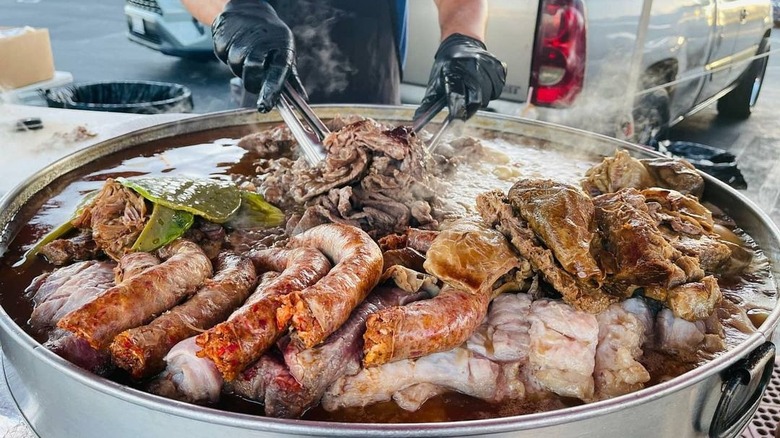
{"points": [[562, 349], [615, 173], [712, 253], [622, 171], [682, 213], [562, 217], [694, 300], [116, 217], [137, 300], [675, 174], [270, 143], [495, 210], [379, 180], [618, 370], [472, 256], [64, 251], [688, 226], [140, 350], [66, 289], [641, 254]]}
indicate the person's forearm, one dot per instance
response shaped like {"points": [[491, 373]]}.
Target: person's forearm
{"points": [[467, 17], [205, 11]]}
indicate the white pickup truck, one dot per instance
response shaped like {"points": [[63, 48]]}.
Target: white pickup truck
{"points": [[627, 68]]}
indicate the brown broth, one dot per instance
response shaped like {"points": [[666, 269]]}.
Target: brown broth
{"points": [[214, 153]]}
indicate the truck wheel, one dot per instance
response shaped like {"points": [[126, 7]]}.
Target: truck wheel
{"points": [[651, 116], [739, 102]]}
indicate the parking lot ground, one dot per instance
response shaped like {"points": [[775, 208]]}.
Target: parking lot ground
{"points": [[755, 141]]}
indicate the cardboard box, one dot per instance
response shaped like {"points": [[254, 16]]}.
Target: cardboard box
{"points": [[25, 57]]}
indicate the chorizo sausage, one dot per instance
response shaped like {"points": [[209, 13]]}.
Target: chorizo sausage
{"points": [[423, 327], [133, 264], [319, 310], [141, 350], [138, 299], [236, 343]]}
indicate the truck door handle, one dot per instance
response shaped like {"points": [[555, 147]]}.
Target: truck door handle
{"points": [[743, 14]]}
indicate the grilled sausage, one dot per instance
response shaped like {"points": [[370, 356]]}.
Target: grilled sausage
{"points": [[138, 299], [141, 350], [187, 376], [133, 264], [423, 327], [234, 344], [319, 310]]}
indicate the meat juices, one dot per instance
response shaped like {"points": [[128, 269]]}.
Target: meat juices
{"points": [[138, 299], [319, 310], [141, 350], [234, 344]]}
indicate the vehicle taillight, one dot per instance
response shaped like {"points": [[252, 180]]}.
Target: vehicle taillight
{"points": [[558, 65]]}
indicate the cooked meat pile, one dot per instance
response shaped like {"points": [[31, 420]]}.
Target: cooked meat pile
{"points": [[551, 293], [376, 178]]}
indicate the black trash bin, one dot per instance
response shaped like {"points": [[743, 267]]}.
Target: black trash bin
{"points": [[717, 162], [142, 97]]}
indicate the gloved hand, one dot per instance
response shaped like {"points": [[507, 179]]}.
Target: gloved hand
{"points": [[258, 47], [466, 74]]}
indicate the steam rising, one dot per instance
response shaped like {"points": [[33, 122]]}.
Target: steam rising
{"points": [[325, 68]]}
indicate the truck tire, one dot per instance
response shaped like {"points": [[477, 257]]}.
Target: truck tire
{"points": [[651, 117], [739, 102]]}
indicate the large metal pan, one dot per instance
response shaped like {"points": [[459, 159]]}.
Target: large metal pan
{"points": [[60, 400]]}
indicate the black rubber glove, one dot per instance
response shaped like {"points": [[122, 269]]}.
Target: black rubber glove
{"points": [[258, 47], [466, 74]]}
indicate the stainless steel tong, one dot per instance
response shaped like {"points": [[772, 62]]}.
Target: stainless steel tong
{"points": [[422, 120], [308, 130]]}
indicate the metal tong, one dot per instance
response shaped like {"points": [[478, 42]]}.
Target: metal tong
{"points": [[422, 120], [308, 130]]}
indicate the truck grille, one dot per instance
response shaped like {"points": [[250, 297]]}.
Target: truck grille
{"points": [[149, 5]]}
